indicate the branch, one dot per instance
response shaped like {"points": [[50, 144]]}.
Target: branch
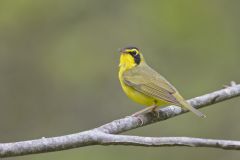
{"points": [[109, 139], [104, 135]]}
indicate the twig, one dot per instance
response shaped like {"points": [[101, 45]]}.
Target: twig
{"points": [[104, 135]]}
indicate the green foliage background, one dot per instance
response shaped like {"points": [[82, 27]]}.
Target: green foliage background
{"points": [[59, 64]]}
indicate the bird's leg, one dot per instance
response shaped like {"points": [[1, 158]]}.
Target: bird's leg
{"points": [[144, 110], [151, 108], [155, 111]]}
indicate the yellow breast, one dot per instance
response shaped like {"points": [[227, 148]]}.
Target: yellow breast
{"points": [[137, 96]]}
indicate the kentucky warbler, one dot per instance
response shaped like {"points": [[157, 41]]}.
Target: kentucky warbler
{"points": [[145, 86]]}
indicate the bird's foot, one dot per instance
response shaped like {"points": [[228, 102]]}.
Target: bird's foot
{"points": [[138, 117], [155, 114], [153, 109]]}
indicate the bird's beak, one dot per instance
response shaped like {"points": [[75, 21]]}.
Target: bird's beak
{"points": [[123, 52], [120, 50]]}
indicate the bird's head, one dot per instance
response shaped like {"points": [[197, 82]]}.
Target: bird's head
{"points": [[130, 57]]}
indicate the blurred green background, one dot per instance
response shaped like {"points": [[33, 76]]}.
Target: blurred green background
{"points": [[59, 64]]}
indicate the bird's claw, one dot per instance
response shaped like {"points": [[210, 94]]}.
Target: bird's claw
{"points": [[139, 118], [155, 113]]}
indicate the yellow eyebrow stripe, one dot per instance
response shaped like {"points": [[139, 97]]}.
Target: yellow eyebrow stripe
{"points": [[131, 50]]}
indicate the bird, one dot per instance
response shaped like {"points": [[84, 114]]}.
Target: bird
{"points": [[146, 86]]}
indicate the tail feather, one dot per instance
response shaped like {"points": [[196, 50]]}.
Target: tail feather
{"points": [[188, 106], [194, 110]]}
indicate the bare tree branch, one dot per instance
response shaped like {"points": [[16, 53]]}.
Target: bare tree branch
{"points": [[110, 139], [104, 135]]}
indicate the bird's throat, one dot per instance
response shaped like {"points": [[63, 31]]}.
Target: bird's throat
{"points": [[126, 62]]}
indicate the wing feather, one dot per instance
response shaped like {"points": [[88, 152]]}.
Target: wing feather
{"points": [[151, 91], [151, 84]]}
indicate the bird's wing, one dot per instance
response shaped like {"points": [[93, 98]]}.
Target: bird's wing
{"points": [[145, 80]]}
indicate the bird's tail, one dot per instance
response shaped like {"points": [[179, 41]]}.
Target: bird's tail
{"points": [[188, 106]]}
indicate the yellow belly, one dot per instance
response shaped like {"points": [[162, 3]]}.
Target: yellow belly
{"points": [[141, 98]]}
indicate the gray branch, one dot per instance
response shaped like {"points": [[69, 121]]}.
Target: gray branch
{"points": [[106, 134], [110, 139]]}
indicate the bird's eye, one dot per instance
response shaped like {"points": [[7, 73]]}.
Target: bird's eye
{"points": [[133, 52]]}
